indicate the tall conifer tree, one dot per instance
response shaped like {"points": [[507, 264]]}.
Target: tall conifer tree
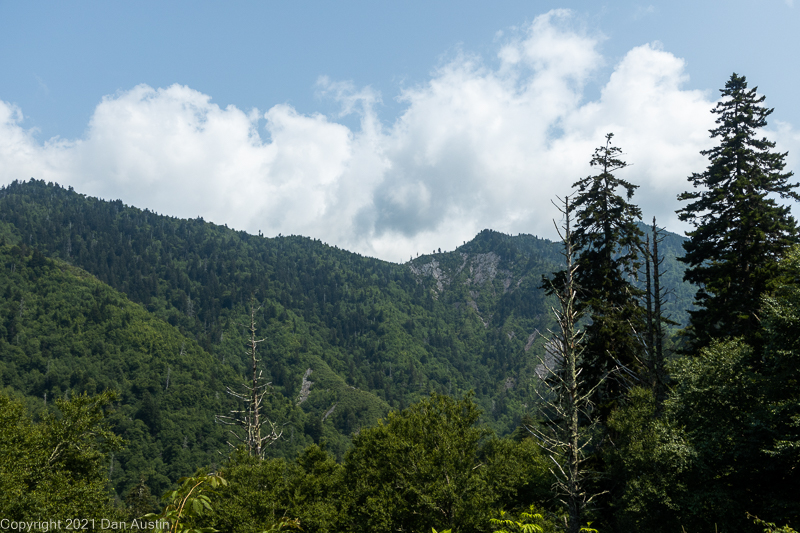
{"points": [[740, 231], [607, 240]]}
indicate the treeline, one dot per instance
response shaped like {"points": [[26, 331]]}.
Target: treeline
{"points": [[431, 465], [701, 435]]}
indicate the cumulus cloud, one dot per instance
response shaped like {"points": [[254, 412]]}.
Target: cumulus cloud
{"points": [[483, 143]]}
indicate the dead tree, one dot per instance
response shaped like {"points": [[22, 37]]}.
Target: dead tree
{"points": [[654, 336], [565, 404], [250, 426]]}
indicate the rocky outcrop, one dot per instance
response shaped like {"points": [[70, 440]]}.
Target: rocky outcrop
{"points": [[431, 269], [305, 387], [482, 268]]}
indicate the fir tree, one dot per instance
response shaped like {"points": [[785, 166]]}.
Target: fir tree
{"points": [[607, 239], [740, 231]]}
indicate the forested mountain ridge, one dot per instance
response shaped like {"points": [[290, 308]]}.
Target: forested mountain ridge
{"points": [[347, 337], [377, 323], [63, 332]]}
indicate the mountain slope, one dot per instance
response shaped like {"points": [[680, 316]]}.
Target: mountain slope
{"points": [[346, 337], [376, 324]]}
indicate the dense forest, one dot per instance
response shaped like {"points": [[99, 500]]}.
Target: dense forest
{"points": [[623, 379]]}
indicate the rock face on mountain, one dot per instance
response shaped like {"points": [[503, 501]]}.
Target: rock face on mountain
{"points": [[476, 271], [494, 273]]}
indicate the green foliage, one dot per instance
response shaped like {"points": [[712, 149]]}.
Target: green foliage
{"points": [[63, 332], [266, 493], [188, 507], [418, 468], [780, 395], [740, 230], [769, 527], [606, 240], [56, 468], [376, 335], [727, 444], [356, 336], [530, 521], [284, 524], [716, 400], [140, 501], [426, 467], [724, 402], [648, 462]]}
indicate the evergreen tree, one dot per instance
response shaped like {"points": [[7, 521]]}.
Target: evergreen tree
{"points": [[607, 240], [740, 231]]}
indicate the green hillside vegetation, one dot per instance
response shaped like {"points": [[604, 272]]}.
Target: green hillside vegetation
{"points": [[55, 468], [347, 338], [379, 326], [63, 333]]}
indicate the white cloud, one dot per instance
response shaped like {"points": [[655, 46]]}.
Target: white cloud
{"points": [[479, 145]]}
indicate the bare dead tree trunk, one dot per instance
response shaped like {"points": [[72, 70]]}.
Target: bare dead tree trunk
{"points": [[567, 410], [660, 374], [250, 427], [650, 333], [653, 362]]}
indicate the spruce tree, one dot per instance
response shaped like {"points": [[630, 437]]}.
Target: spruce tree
{"points": [[740, 230], [607, 240]]}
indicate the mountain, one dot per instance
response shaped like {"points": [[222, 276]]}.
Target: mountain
{"points": [[347, 338]]}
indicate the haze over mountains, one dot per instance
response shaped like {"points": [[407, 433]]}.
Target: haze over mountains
{"points": [[98, 295]]}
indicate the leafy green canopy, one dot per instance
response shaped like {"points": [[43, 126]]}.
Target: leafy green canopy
{"points": [[378, 330], [740, 230], [55, 469], [427, 467], [63, 332], [728, 443]]}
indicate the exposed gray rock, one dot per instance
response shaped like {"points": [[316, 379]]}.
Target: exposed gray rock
{"points": [[483, 268], [550, 362], [431, 269], [531, 338], [305, 387]]}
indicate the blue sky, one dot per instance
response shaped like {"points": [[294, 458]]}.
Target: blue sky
{"points": [[389, 128]]}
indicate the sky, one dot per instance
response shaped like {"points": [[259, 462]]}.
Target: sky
{"points": [[387, 128]]}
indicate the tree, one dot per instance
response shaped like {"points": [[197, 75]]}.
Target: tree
{"points": [[740, 231], [606, 240], [251, 420], [305, 491], [189, 506], [655, 373], [781, 376], [727, 444], [567, 408], [56, 468], [419, 469]]}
